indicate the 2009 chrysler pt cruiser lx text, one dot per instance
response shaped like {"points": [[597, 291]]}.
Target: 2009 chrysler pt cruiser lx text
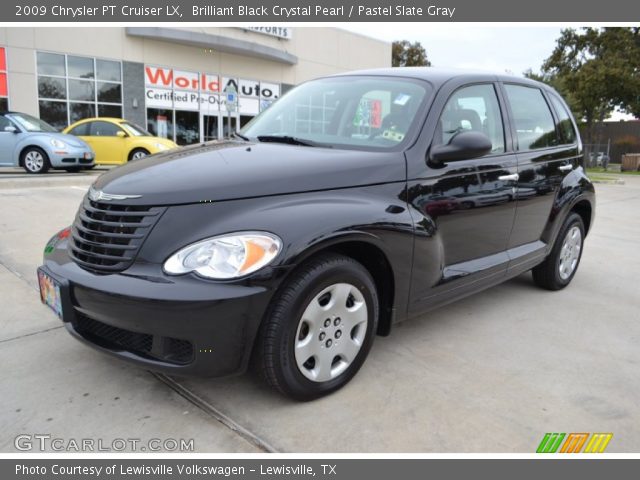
{"points": [[354, 202]]}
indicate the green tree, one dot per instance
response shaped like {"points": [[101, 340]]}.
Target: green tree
{"points": [[596, 70], [407, 54]]}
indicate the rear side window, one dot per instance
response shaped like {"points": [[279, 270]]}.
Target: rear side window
{"points": [[534, 123], [565, 125], [472, 108], [103, 129], [82, 129]]}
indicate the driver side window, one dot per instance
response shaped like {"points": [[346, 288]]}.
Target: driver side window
{"points": [[4, 122], [472, 108], [103, 129]]}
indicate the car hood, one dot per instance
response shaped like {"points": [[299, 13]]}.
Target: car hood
{"points": [[68, 139], [232, 170], [163, 141]]}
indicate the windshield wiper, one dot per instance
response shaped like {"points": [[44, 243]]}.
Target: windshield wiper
{"points": [[236, 134], [290, 140]]}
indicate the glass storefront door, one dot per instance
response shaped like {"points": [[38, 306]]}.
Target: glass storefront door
{"points": [[235, 124], [187, 126], [160, 122], [210, 127], [244, 119], [216, 126]]}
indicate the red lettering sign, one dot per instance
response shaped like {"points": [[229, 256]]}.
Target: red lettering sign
{"points": [[167, 77], [159, 76]]}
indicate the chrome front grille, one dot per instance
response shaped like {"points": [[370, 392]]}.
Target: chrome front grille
{"points": [[106, 237]]}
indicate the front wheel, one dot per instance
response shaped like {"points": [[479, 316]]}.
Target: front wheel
{"points": [[319, 329], [558, 269], [35, 160], [138, 153]]}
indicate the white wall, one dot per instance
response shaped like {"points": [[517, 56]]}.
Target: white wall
{"points": [[320, 51]]}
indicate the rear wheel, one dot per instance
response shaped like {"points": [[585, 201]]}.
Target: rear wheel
{"points": [[138, 153], [35, 160], [319, 329], [558, 269]]}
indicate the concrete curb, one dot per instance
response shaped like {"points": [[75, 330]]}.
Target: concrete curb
{"points": [[22, 183], [613, 181]]}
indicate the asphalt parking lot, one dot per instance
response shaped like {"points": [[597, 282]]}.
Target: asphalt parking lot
{"points": [[492, 373]]}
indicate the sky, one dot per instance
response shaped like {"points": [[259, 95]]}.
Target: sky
{"points": [[497, 48], [511, 49]]}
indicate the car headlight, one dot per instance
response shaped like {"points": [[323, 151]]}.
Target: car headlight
{"points": [[161, 146], [226, 256], [58, 143]]}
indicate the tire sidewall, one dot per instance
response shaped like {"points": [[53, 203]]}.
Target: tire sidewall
{"points": [[573, 220], [345, 273]]}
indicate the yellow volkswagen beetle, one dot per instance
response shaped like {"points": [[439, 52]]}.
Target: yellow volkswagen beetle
{"points": [[116, 141]]}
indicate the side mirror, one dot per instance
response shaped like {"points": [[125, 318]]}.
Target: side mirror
{"points": [[121, 134], [464, 145], [10, 129]]}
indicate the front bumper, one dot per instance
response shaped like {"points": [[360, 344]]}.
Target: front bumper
{"points": [[70, 157], [177, 325]]}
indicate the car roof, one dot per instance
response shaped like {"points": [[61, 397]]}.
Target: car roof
{"points": [[439, 76], [105, 119]]}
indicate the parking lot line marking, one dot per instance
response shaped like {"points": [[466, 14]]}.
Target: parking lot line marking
{"points": [[75, 187]]}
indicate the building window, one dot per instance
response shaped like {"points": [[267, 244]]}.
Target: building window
{"points": [[160, 122], [4, 87], [71, 88], [187, 127]]}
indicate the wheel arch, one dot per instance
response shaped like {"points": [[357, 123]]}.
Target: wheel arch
{"points": [[134, 148], [24, 148], [585, 210], [365, 250]]}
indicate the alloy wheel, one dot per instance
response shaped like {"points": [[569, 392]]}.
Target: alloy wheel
{"points": [[570, 252], [34, 161]]}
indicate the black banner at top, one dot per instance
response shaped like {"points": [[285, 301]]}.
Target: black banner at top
{"points": [[278, 11]]}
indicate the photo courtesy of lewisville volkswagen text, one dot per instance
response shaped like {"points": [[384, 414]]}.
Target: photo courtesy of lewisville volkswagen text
{"points": [[324, 240]]}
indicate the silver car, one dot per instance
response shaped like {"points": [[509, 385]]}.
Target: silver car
{"points": [[33, 144]]}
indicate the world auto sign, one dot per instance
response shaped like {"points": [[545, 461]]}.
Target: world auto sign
{"points": [[168, 88]]}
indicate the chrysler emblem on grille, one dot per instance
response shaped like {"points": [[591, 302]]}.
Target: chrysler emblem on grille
{"points": [[99, 195]]}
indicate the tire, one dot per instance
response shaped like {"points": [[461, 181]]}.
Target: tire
{"points": [[316, 290], [138, 153], [559, 268], [35, 160]]}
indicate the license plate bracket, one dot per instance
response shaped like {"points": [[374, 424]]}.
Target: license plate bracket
{"points": [[50, 292]]}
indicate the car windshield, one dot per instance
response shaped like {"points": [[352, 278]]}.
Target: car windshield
{"points": [[351, 112], [134, 130], [31, 124]]}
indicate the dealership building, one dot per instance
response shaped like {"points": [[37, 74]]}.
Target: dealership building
{"points": [[186, 84]]}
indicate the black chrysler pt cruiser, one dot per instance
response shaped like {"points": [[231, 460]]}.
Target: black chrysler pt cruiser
{"points": [[354, 202]]}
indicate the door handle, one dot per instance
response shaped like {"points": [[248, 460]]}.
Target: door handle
{"points": [[507, 178], [565, 168]]}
